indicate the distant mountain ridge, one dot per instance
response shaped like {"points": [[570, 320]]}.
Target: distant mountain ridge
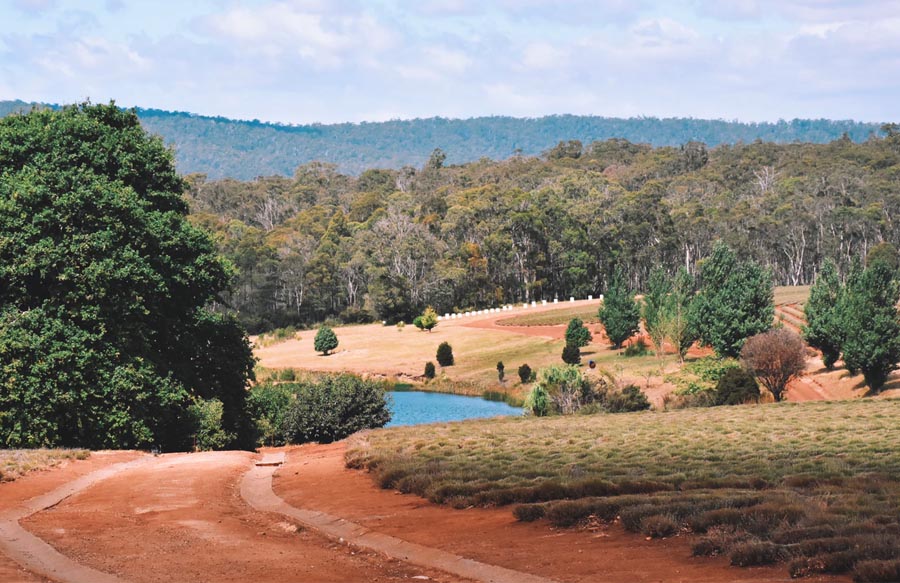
{"points": [[224, 148]]}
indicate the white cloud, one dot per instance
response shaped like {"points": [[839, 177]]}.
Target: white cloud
{"points": [[542, 56]]}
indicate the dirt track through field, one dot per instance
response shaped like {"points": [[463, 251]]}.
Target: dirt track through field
{"points": [[314, 478], [256, 489]]}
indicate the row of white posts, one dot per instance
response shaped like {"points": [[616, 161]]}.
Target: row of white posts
{"points": [[505, 308]]}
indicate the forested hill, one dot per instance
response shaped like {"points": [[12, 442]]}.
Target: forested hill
{"points": [[220, 147]]}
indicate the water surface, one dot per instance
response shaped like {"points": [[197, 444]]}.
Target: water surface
{"points": [[418, 407]]}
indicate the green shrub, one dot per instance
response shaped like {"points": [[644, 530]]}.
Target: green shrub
{"points": [[629, 399], [528, 512], [525, 374], [267, 405], [736, 386], [637, 348], [750, 554], [501, 371], [419, 323], [429, 370], [876, 572], [444, 354], [571, 354], [287, 374], [538, 401], [577, 334], [208, 417], [335, 407], [325, 341]]}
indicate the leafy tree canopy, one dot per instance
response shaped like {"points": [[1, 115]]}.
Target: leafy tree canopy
{"points": [[107, 338], [735, 301], [619, 314]]}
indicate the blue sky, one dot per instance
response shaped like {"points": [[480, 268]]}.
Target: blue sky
{"points": [[301, 61]]}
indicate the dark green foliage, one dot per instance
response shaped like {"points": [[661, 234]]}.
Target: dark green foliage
{"points": [[571, 354], [734, 302], [429, 370], [823, 326], [418, 323], [885, 253], [525, 374], [750, 554], [577, 334], [106, 335], [444, 354], [209, 434], [335, 407], [629, 399], [267, 405], [870, 323], [500, 371], [637, 348], [528, 512], [619, 314], [735, 387], [325, 341], [877, 572]]}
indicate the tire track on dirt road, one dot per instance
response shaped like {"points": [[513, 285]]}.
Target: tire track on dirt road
{"points": [[256, 489]]}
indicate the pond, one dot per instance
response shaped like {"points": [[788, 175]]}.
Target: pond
{"points": [[419, 407]]}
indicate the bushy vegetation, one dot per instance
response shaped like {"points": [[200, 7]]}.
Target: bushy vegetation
{"points": [[858, 320], [619, 314], [501, 371], [735, 301], [636, 348], [15, 463], [334, 407], [110, 323], [325, 341], [310, 246], [564, 390], [444, 354], [525, 374], [816, 485], [736, 386], [775, 358], [429, 370], [571, 354], [577, 334], [267, 404]]}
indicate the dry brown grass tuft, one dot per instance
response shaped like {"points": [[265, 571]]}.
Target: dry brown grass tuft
{"points": [[15, 463]]}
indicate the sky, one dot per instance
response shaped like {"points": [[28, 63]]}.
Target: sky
{"points": [[305, 61]]}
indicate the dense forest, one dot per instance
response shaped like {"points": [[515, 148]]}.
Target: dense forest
{"points": [[386, 243], [225, 148]]}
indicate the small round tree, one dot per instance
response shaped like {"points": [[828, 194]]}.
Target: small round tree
{"points": [[428, 319], [501, 371], [571, 354], [429, 370], [775, 358], [524, 373], [444, 354], [325, 341], [577, 334]]}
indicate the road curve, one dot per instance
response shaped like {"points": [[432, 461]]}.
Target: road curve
{"points": [[39, 557], [256, 489]]}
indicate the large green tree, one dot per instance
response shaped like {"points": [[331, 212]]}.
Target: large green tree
{"points": [[107, 336], [870, 323], [735, 301], [823, 326], [619, 314]]}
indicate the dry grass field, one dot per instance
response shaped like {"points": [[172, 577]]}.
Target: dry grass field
{"points": [[816, 485], [15, 463]]}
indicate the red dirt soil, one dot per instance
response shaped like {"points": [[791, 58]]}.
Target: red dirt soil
{"points": [[314, 477], [181, 519], [43, 481]]}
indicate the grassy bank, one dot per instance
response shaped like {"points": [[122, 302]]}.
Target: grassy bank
{"points": [[815, 485], [556, 317], [15, 463]]}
